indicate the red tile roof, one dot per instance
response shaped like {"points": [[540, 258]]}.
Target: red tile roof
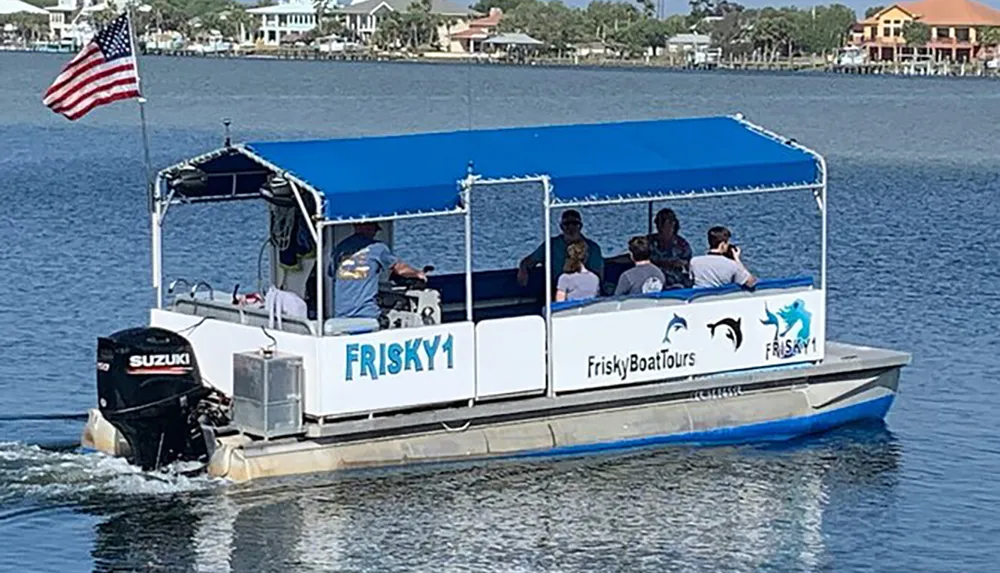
{"points": [[470, 34], [490, 21], [948, 12]]}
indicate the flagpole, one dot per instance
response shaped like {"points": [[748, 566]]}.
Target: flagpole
{"points": [[152, 190], [151, 193]]}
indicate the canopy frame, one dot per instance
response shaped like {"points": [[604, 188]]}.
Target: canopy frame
{"points": [[318, 221], [819, 189]]}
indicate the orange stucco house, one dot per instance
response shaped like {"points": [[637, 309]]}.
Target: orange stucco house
{"points": [[953, 26]]}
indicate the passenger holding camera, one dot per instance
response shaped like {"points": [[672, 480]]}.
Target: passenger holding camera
{"points": [[722, 264]]}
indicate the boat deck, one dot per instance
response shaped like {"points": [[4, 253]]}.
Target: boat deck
{"points": [[840, 359]]}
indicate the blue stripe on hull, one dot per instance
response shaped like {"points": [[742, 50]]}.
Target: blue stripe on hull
{"points": [[775, 430]]}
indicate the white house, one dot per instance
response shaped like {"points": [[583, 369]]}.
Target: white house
{"points": [[61, 20], [285, 18], [69, 20], [688, 43], [362, 17]]}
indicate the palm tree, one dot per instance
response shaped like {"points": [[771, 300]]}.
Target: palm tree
{"points": [[30, 27], [916, 34], [989, 36]]}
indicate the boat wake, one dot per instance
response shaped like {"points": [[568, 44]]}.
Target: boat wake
{"points": [[34, 475]]}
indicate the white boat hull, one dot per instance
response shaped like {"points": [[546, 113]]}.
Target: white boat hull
{"points": [[749, 407]]}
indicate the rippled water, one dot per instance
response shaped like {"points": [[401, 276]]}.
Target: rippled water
{"points": [[914, 266]]}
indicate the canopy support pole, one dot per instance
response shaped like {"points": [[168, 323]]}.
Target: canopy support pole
{"points": [[156, 229], [467, 200], [547, 203], [649, 218], [305, 212], [823, 233], [320, 271]]}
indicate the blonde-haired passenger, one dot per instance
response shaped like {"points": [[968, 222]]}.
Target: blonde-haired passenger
{"points": [[576, 281]]}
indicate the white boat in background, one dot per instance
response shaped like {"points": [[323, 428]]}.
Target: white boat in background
{"points": [[852, 56], [474, 365]]}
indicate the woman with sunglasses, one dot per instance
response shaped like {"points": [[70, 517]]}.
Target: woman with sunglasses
{"points": [[670, 251]]}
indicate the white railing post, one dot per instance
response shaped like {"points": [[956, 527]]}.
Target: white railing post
{"points": [[547, 203], [157, 242]]}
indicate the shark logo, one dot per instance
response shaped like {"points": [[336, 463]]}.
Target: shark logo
{"points": [[676, 323], [732, 330], [791, 316]]}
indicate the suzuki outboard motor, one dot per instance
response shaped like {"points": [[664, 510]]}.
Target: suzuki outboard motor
{"points": [[149, 387]]}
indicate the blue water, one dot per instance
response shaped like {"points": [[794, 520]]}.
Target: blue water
{"points": [[914, 266]]}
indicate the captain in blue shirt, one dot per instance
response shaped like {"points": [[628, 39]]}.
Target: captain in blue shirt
{"points": [[571, 225], [356, 264]]}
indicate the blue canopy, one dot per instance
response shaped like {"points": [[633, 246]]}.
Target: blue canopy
{"points": [[420, 173]]}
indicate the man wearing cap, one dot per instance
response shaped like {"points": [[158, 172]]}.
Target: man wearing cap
{"points": [[355, 265], [722, 264], [571, 224]]}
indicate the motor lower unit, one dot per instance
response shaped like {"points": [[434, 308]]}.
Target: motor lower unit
{"points": [[150, 389]]}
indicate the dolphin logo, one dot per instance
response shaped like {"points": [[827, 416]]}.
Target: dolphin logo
{"points": [[771, 320], [677, 322], [733, 331]]}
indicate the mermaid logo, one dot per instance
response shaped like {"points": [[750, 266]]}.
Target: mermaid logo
{"points": [[792, 331]]}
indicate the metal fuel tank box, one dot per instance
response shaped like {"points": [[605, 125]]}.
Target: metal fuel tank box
{"points": [[267, 393]]}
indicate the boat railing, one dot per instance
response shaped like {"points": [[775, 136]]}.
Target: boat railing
{"points": [[680, 296], [225, 310]]}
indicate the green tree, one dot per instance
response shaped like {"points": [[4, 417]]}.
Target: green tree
{"points": [[734, 33], [823, 29], [421, 25], [916, 34], [869, 12], [701, 9], [241, 20], [774, 32], [648, 8], [553, 23], [483, 6], [414, 29], [28, 27], [988, 35], [603, 19]]}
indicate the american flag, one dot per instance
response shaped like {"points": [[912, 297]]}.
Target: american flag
{"points": [[103, 72]]}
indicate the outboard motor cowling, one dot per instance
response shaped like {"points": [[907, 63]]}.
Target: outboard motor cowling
{"points": [[149, 387]]}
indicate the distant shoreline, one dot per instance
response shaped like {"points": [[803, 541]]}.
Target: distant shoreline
{"points": [[809, 65]]}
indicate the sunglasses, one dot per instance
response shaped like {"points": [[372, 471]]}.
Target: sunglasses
{"points": [[572, 224]]}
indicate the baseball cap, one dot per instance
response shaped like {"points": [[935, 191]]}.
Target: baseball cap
{"points": [[571, 215]]}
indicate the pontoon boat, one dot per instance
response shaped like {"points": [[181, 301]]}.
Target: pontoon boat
{"points": [[475, 365]]}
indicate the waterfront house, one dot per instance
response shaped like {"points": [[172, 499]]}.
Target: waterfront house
{"points": [[61, 17], [292, 19], [954, 26], [70, 20], [471, 37], [362, 18], [287, 18], [688, 43]]}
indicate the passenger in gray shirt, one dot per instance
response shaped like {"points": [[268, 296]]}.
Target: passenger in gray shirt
{"points": [[722, 264], [644, 277]]}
